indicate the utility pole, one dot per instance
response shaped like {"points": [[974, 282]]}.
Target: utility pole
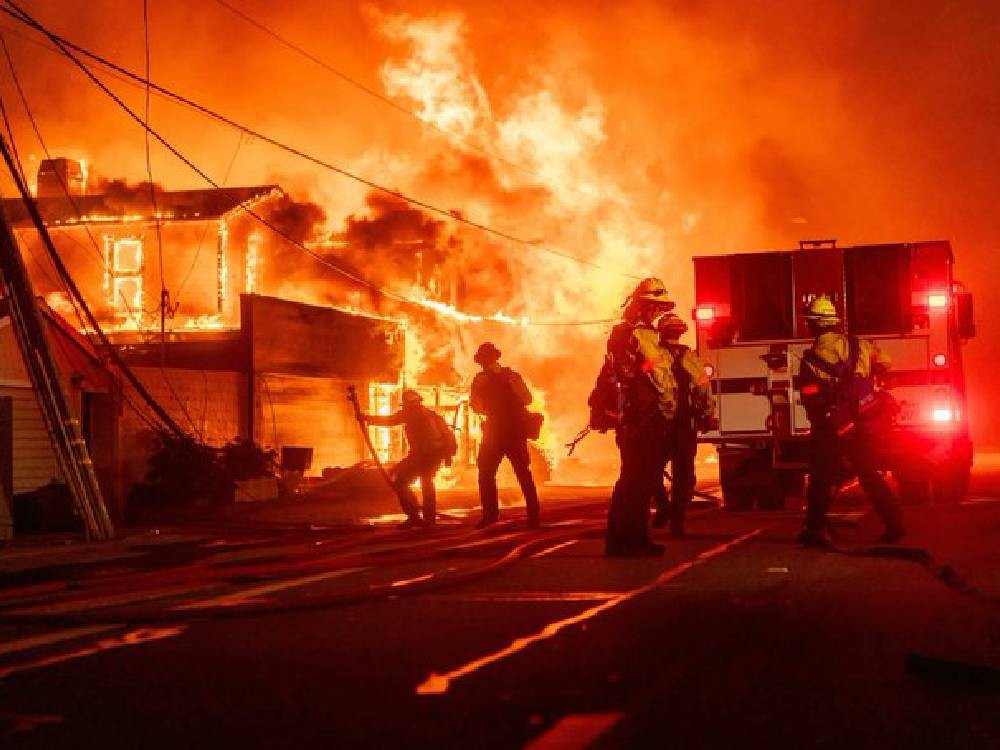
{"points": [[64, 428]]}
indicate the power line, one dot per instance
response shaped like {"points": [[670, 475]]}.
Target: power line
{"points": [[277, 230], [68, 287], [10, 138], [65, 45], [204, 233], [41, 141], [60, 267], [164, 295], [66, 283], [388, 101]]}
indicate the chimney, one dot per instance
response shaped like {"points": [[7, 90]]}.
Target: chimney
{"points": [[58, 176]]}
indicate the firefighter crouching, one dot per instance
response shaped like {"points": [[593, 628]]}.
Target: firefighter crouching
{"points": [[694, 411], [634, 394], [847, 418], [502, 396], [431, 443]]}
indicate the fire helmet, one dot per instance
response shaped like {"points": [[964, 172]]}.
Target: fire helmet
{"points": [[410, 396], [486, 354], [672, 326], [652, 290], [822, 312]]}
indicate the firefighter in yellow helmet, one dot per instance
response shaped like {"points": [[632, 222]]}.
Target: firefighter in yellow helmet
{"points": [[846, 413], [639, 369], [694, 411]]}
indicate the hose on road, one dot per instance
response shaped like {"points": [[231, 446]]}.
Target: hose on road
{"points": [[354, 596]]}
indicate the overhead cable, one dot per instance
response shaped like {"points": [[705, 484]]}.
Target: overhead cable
{"points": [[453, 138], [453, 215], [361, 281]]}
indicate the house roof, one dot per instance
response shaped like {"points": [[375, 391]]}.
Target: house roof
{"points": [[71, 349], [131, 204]]}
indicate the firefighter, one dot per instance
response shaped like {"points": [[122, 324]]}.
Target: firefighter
{"points": [[694, 411], [644, 381], [845, 411], [500, 394], [431, 443]]}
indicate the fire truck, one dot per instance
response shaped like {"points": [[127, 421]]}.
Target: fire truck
{"points": [[752, 335]]}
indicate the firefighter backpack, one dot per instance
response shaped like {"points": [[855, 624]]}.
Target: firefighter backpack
{"points": [[605, 399], [446, 437]]}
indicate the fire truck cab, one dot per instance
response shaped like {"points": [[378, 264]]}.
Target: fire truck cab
{"points": [[752, 335]]}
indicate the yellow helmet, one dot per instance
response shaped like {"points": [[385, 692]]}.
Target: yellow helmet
{"points": [[652, 290], [822, 311]]}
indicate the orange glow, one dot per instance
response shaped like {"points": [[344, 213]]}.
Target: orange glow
{"points": [[558, 131], [381, 397]]}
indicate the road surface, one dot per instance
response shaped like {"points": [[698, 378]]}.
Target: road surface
{"points": [[367, 636]]}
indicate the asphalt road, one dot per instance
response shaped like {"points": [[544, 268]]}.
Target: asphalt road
{"points": [[372, 637]]}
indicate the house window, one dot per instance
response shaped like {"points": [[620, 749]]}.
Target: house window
{"points": [[123, 271]]}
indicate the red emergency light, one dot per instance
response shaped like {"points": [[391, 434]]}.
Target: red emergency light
{"points": [[937, 300], [939, 360], [942, 415], [704, 313]]}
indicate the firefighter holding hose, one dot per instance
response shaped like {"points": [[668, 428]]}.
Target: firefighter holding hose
{"points": [[431, 443], [845, 414]]}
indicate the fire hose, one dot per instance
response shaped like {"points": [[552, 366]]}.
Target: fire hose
{"points": [[352, 396], [352, 596]]}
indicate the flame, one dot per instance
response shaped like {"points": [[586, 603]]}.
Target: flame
{"points": [[205, 323], [380, 401], [452, 312], [433, 76]]}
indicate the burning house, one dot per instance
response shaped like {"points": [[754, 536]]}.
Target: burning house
{"points": [[230, 361]]}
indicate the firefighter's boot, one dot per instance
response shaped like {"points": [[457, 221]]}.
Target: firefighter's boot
{"points": [[816, 538]]}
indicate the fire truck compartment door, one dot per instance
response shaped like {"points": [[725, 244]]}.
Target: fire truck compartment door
{"points": [[909, 353], [740, 410], [743, 412], [742, 362]]}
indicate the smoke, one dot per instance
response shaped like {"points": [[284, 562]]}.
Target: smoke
{"points": [[634, 135], [119, 192], [299, 221]]}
